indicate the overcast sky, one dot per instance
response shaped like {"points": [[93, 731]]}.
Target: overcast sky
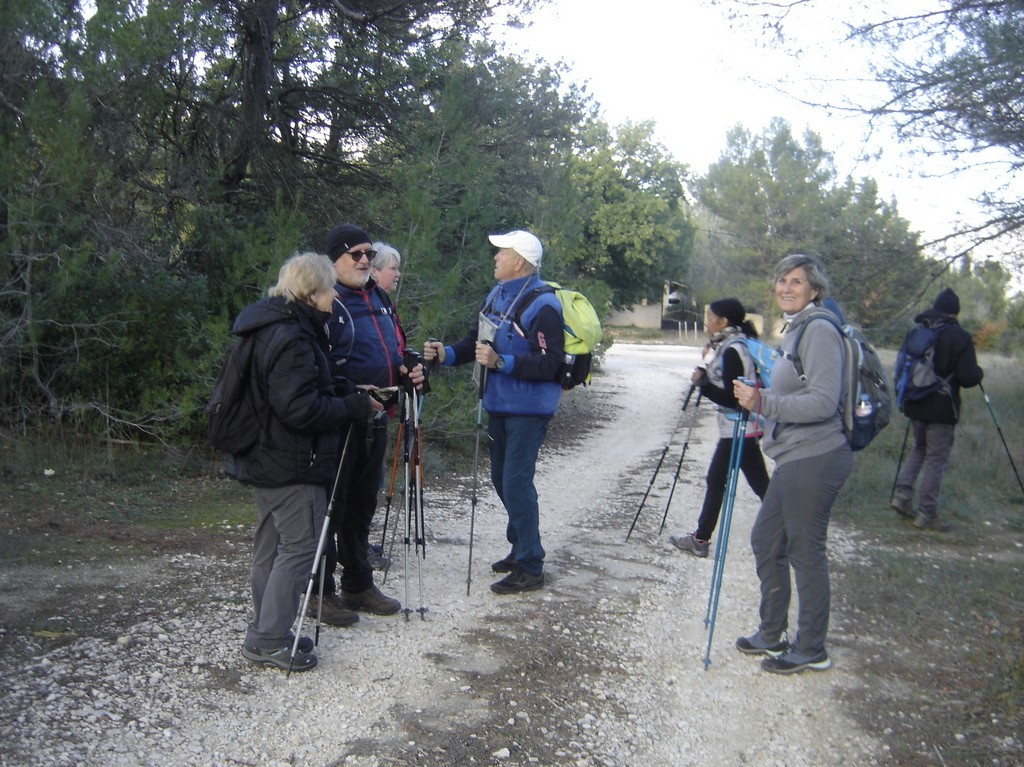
{"points": [[681, 64]]}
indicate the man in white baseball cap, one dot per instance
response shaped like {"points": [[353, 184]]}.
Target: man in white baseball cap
{"points": [[518, 344], [525, 244]]}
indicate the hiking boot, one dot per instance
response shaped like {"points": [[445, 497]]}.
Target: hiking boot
{"points": [[691, 544], [902, 508], [924, 522], [281, 657], [756, 644], [332, 612], [370, 601], [518, 581], [793, 662], [505, 565]]}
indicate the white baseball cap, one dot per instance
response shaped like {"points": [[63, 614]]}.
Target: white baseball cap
{"points": [[525, 244]]}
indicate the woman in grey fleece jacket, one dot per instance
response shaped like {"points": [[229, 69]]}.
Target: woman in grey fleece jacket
{"points": [[804, 436]]}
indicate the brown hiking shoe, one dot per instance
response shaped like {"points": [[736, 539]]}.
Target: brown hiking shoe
{"points": [[932, 523], [332, 612], [902, 508], [370, 601]]}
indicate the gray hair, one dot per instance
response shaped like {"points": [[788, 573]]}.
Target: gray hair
{"points": [[387, 255], [302, 275], [816, 276]]}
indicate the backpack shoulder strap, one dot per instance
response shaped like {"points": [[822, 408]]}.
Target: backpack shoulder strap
{"points": [[794, 356], [526, 299]]}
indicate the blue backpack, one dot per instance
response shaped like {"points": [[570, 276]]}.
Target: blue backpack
{"points": [[765, 356], [914, 376]]}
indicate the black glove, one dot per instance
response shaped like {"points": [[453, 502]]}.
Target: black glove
{"points": [[359, 407]]}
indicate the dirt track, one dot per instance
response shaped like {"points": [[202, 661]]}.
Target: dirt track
{"points": [[603, 667]]}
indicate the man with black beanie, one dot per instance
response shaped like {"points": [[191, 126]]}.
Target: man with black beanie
{"points": [[365, 352], [934, 417]]}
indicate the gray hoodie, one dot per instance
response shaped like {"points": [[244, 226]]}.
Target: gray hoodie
{"points": [[803, 417]]}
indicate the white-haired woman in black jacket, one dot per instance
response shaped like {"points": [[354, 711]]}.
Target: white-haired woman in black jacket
{"points": [[294, 460]]}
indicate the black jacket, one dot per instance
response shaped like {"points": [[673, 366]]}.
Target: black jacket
{"points": [[955, 360], [300, 434]]}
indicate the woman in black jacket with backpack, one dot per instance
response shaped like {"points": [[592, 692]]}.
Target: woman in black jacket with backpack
{"points": [[296, 455]]}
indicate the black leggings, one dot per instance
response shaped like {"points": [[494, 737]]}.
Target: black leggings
{"points": [[752, 465]]}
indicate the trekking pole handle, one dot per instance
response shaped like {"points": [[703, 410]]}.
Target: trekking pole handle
{"points": [[435, 364], [484, 370], [752, 384], [410, 359]]}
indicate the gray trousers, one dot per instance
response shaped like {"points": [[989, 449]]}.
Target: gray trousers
{"points": [[790, 531], [284, 545], [933, 442]]}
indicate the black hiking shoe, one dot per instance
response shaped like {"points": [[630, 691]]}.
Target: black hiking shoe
{"points": [[505, 565], [517, 582], [793, 662], [691, 544], [281, 657], [923, 522], [333, 612], [756, 644], [370, 601]]}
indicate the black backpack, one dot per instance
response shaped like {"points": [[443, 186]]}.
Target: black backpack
{"points": [[914, 377], [232, 415]]}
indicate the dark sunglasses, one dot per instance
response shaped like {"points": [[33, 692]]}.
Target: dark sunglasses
{"points": [[358, 254]]}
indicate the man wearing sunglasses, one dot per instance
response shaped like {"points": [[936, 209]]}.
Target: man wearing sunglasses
{"points": [[365, 352]]}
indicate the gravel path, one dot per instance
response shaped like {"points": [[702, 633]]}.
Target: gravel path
{"points": [[603, 667]]}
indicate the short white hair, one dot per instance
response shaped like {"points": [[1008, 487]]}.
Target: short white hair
{"points": [[387, 255]]}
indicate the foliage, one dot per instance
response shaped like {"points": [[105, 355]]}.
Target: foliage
{"points": [[772, 194], [636, 230], [950, 72], [161, 159], [954, 77]]}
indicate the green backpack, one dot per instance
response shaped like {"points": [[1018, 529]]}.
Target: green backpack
{"points": [[581, 328]]}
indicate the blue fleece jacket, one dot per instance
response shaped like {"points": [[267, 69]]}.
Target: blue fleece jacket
{"points": [[532, 349]]}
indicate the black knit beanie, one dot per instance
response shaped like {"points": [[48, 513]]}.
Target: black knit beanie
{"points": [[947, 302], [343, 238]]}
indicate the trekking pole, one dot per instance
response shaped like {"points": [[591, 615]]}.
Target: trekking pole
{"points": [[1005, 446], [739, 431], [661, 460], [476, 471], [316, 559], [417, 483], [682, 455], [391, 484], [387, 509], [320, 599], [899, 463], [408, 499]]}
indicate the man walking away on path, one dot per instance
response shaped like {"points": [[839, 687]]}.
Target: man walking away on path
{"points": [[522, 359], [934, 417]]}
